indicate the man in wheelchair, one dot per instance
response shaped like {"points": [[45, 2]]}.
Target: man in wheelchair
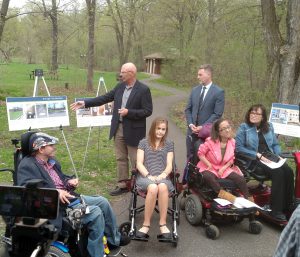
{"points": [[97, 213]]}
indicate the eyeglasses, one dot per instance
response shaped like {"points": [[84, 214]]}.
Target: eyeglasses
{"points": [[256, 113], [126, 71], [225, 128]]}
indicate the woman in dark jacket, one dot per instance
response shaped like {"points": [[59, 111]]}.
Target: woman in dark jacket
{"points": [[256, 137]]}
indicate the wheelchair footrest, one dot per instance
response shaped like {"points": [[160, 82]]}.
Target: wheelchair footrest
{"points": [[170, 239], [114, 252]]}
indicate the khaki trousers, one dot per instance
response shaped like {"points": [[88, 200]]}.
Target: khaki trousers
{"points": [[124, 151]]}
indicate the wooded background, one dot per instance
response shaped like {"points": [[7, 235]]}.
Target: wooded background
{"points": [[253, 45]]}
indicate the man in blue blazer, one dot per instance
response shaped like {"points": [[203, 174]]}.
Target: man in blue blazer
{"points": [[205, 105], [132, 105]]}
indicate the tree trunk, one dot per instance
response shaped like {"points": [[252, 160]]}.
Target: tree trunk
{"points": [[3, 13], [123, 18], [53, 17], [91, 8], [289, 81], [209, 55], [273, 40], [284, 55]]}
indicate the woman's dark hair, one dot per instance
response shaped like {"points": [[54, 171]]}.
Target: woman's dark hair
{"points": [[264, 125], [152, 136], [215, 129]]}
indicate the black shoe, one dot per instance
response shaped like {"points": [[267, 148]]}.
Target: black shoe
{"points": [[278, 215], [124, 240], [118, 191], [141, 235]]}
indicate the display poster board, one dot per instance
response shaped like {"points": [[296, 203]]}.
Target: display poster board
{"points": [[285, 119], [37, 112], [94, 116]]}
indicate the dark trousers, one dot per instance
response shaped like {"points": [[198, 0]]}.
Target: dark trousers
{"points": [[211, 180], [282, 189], [192, 145]]}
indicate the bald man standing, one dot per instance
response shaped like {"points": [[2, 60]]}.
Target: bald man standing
{"points": [[132, 105]]}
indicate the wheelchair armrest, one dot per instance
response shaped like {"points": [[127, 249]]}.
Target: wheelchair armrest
{"points": [[287, 155], [134, 172], [34, 183], [244, 156], [258, 177], [194, 176], [6, 169]]}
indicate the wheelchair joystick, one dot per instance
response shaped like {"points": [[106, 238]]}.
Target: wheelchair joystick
{"points": [[15, 142]]}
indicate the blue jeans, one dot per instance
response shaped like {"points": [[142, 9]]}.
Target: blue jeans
{"points": [[100, 221]]}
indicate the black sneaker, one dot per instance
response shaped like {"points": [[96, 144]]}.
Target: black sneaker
{"points": [[124, 240], [118, 191]]}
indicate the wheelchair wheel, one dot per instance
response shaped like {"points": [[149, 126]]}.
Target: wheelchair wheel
{"points": [[193, 210], [212, 232], [124, 228], [182, 203], [56, 252], [255, 227]]}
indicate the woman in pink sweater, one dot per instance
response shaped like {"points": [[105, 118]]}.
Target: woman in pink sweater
{"points": [[217, 160]]}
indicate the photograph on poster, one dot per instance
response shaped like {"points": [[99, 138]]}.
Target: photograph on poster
{"points": [[37, 112], [94, 116], [285, 119]]}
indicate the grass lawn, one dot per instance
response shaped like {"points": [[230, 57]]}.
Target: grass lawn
{"points": [[98, 173]]}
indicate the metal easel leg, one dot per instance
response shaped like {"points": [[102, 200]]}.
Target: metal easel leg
{"points": [[35, 89], [45, 86], [86, 149], [63, 134]]}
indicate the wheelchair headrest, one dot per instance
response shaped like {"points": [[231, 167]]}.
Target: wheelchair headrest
{"points": [[25, 143]]}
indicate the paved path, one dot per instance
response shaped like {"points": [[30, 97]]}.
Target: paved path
{"points": [[234, 239]]}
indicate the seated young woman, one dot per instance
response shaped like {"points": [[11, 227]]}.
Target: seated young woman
{"points": [[255, 137], [217, 161], [154, 162]]}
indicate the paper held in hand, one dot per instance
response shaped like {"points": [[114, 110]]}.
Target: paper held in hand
{"points": [[274, 165]]}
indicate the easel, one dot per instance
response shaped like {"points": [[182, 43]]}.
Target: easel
{"points": [[39, 74], [100, 83]]}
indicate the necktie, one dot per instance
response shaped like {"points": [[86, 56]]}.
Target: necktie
{"points": [[200, 103], [202, 96]]}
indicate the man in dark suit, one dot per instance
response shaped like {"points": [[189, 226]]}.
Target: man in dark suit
{"points": [[205, 105], [132, 105]]}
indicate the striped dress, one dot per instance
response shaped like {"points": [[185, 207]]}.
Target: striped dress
{"points": [[155, 162]]}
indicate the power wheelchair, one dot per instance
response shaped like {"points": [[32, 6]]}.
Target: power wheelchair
{"points": [[130, 228], [200, 208], [71, 241]]}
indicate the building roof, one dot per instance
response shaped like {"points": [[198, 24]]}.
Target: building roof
{"points": [[154, 56]]}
